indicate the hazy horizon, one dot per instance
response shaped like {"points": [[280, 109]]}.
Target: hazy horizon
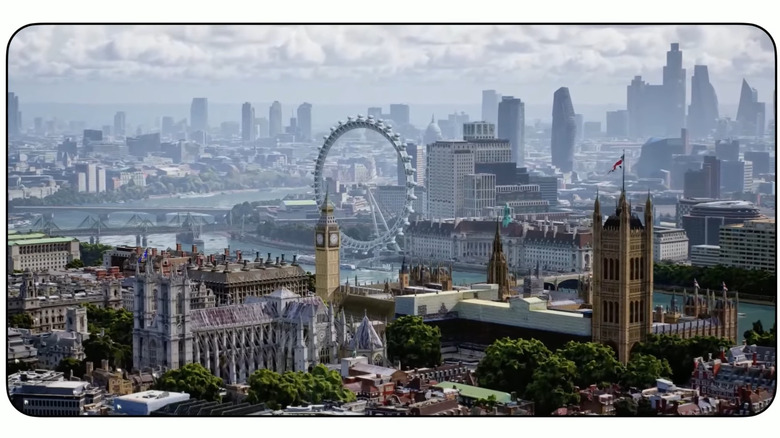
{"points": [[357, 65]]}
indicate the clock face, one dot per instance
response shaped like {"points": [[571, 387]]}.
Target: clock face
{"points": [[334, 238], [320, 238]]}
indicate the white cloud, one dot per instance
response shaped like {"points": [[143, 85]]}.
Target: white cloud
{"points": [[475, 54]]}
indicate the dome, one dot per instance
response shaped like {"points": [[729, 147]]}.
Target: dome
{"points": [[432, 132]]}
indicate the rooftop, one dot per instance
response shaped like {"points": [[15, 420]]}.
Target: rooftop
{"points": [[36, 241], [476, 392], [300, 203], [148, 396]]}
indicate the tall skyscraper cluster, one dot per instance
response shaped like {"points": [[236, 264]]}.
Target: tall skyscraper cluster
{"points": [[490, 100], [511, 126], [564, 131], [120, 124], [199, 115], [248, 126], [14, 116], [275, 119], [451, 170], [751, 114], [507, 113], [304, 122], [703, 111], [658, 110]]}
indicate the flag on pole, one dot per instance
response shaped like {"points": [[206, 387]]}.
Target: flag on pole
{"points": [[695, 283], [143, 256], [507, 216], [725, 289], [618, 164]]}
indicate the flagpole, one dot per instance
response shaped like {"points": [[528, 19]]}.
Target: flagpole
{"points": [[624, 170]]}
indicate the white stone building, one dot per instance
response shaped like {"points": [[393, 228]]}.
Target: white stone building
{"points": [[37, 252], [751, 245], [555, 246], [670, 244]]}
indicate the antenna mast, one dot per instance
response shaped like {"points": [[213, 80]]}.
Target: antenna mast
{"points": [[624, 170]]}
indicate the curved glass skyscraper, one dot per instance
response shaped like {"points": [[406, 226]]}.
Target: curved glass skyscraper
{"points": [[564, 130]]}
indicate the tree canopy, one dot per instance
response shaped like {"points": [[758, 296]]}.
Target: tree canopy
{"points": [[750, 281], [116, 341], [596, 363], [413, 342], [757, 335], [278, 391], [509, 364], [21, 320], [78, 367], [193, 379], [625, 407], [92, 253], [680, 353], [643, 370], [552, 385]]}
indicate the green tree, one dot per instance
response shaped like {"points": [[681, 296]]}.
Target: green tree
{"points": [[487, 403], [645, 409], [757, 335], [311, 281], [626, 407], [76, 263], [278, 391], [69, 364], [99, 347], [596, 363], [14, 366], [643, 370], [680, 353], [116, 323], [754, 281], [268, 387], [92, 253], [413, 342], [552, 385], [21, 320], [193, 379], [509, 364]]}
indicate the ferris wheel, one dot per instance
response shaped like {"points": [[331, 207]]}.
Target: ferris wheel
{"points": [[384, 234]]}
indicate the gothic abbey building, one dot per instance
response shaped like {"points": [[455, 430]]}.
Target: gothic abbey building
{"points": [[177, 321]]}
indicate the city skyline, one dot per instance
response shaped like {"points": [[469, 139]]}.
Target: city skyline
{"points": [[343, 65]]}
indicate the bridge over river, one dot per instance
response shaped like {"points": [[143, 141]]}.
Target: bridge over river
{"points": [[106, 210]]}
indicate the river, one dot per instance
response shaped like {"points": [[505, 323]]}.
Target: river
{"points": [[216, 242]]}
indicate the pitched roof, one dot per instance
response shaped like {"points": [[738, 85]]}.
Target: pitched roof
{"points": [[366, 337]]}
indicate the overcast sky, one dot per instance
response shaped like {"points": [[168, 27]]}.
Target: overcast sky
{"points": [[372, 64]]}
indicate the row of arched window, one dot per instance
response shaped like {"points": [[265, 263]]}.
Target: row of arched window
{"points": [[610, 311], [611, 268]]}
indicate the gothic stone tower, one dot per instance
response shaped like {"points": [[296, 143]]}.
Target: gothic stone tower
{"points": [[498, 270], [622, 277], [162, 336], [326, 257]]}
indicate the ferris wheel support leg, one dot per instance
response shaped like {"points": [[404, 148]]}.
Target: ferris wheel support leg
{"points": [[379, 210]]}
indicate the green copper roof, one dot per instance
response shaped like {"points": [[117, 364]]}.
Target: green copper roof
{"points": [[41, 241], [23, 236], [475, 392]]}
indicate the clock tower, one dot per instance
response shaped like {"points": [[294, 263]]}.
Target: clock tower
{"points": [[327, 241]]}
